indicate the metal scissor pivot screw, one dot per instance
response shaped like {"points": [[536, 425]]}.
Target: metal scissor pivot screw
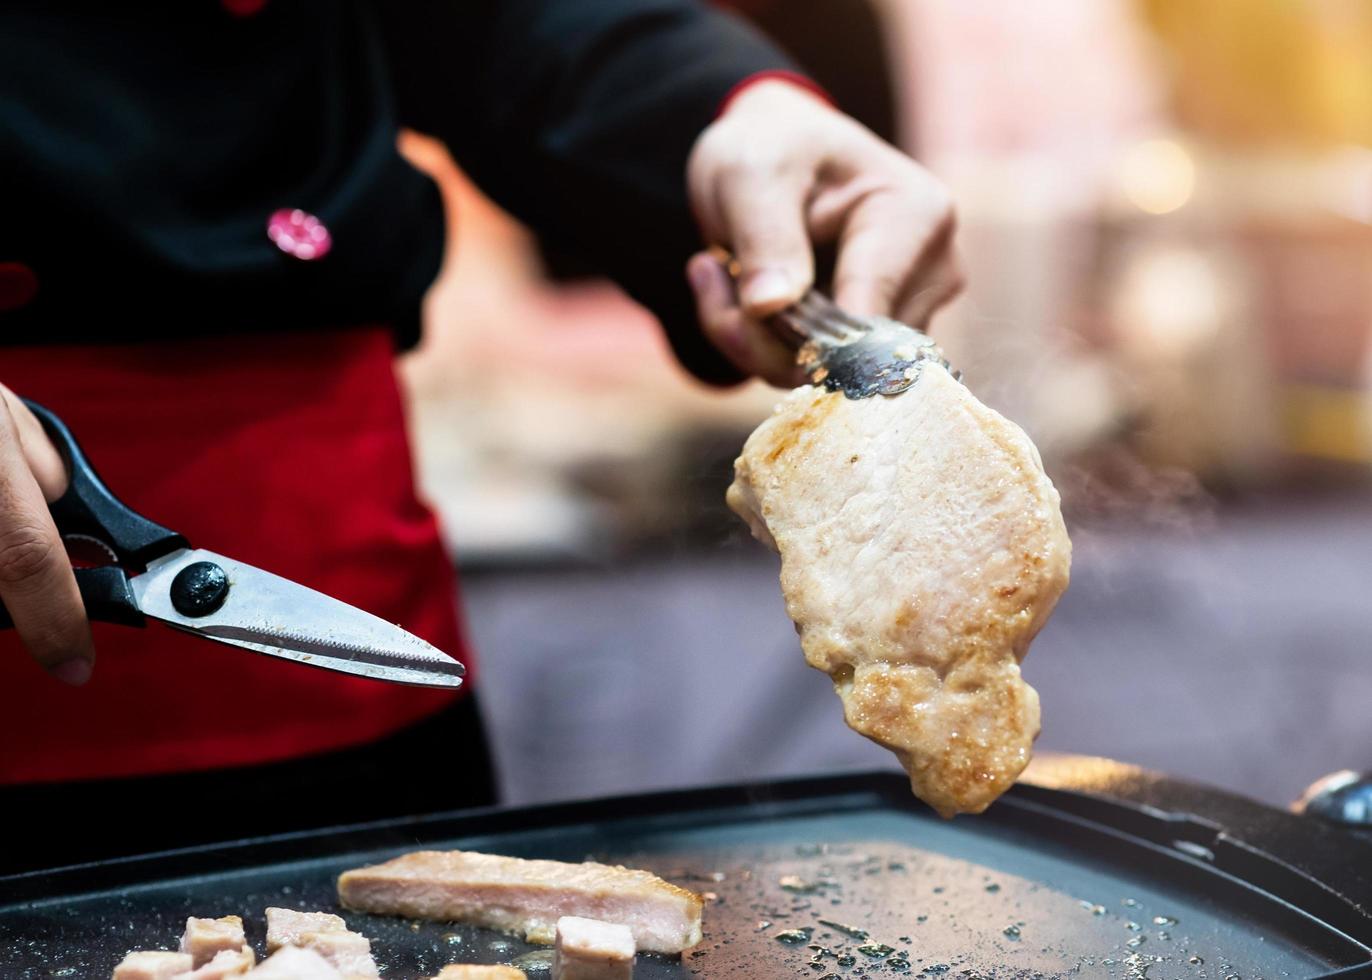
{"points": [[199, 589]]}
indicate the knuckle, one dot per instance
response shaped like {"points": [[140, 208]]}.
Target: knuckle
{"points": [[744, 158], [25, 553]]}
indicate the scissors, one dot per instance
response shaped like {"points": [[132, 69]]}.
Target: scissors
{"points": [[154, 572]]}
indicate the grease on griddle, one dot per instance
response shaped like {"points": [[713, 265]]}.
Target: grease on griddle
{"points": [[877, 951], [536, 961], [795, 937], [847, 930]]}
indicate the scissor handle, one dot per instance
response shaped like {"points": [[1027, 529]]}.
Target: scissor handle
{"points": [[106, 594], [88, 508]]}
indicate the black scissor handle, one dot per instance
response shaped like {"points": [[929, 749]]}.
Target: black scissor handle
{"points": [[88, 507], [105, 593]]}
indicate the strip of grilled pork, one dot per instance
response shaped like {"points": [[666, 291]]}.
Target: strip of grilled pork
{"points": [[525, 897]]}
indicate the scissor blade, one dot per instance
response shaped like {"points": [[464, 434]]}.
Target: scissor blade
{"points": [[272, 615]]}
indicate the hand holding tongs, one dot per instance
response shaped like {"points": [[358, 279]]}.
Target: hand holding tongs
{"points": [[860, 356], [156, 573]]}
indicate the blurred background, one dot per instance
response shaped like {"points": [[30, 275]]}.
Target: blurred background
{"points": [[1164, 211]]}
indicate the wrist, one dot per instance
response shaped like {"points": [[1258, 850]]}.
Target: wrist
{"points": [[773, 79]]}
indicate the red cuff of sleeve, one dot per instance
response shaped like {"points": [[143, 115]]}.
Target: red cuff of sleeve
{"points": [[774, 75]]}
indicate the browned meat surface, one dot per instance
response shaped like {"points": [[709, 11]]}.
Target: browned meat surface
{"points": [[152, 965], [922, 548], [286, 926], [525, 897], [205, 938], [588, 949], [479, 971]]}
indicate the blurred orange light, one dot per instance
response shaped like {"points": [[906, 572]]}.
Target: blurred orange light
{"points": [[1157, 176]]}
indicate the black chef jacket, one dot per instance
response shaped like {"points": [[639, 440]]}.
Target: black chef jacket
{"points": [[144, 146]]}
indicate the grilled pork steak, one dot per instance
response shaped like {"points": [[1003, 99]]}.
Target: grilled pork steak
{"points": [[922, 548], [525, 897]]}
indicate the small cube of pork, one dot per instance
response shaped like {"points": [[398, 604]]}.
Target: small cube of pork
{"points": [[152, 965], [228, 963], [588, 949], [294, 963], [206, 938], [479, 971], [286, 926], [349, 952]]}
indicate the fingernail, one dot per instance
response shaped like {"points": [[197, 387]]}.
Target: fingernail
{"points": [[767, 288], [75, 671]]}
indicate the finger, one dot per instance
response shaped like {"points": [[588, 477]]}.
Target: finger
{"points": [[37, 586], [762, 213], [747, 344], [887, 238], [44, 460]]}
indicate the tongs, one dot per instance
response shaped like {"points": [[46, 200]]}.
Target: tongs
{"points": [[860, 356], [154, 572]]}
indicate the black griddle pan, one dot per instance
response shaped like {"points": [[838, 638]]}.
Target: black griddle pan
{"points": [[833, 878]]}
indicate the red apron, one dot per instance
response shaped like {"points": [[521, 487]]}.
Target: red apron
{"points": [[288, 452]]}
